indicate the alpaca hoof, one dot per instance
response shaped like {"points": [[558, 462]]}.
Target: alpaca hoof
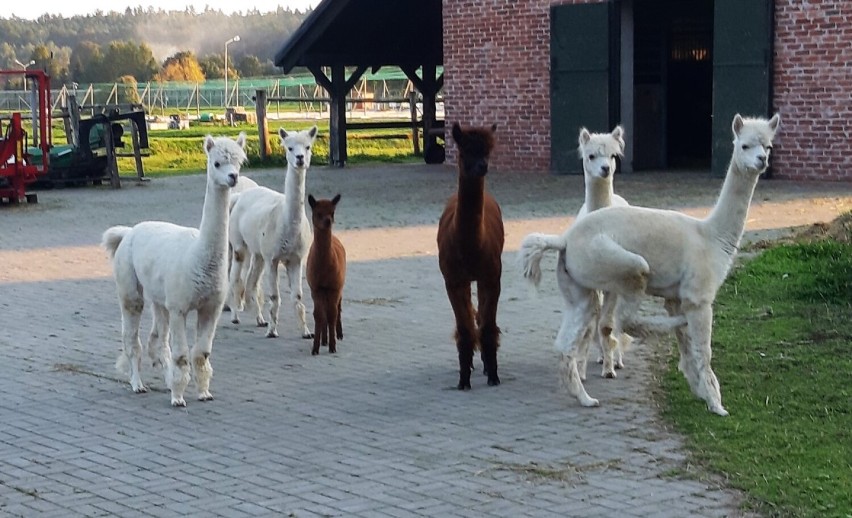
{"points": [[719, 410], [463, 386], [178, 402], [493, 381], [608, 375], [315, 351], [141, 389], [272, 334], [262, 323], [600, 359], [308, 336], [590, 402], [226, 308], [235, 320], [619, 364], [332, 350], [205, 396]]}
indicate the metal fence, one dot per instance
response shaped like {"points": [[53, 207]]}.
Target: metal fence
{"points": [[162, 98]]}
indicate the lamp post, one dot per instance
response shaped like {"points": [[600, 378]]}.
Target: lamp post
{"points": [[235, 38], [25, 66]]}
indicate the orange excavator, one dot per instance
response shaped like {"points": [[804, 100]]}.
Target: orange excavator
{"points": [[18, 165]]}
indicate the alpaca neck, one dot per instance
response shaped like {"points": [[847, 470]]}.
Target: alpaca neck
{"points": [[727, 220], [294, 192], [322, 241], [470, 206], [598, 193], [213, 230]]}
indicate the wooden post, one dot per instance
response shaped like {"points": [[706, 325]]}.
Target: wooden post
{"points": [[337, 121], [74, 122], [112, 161], [415, 134], [137, 152], [262, 125], [430, 92]]}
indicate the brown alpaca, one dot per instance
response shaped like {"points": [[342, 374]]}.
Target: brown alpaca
{"points": [[470, 242], [326, 273]]}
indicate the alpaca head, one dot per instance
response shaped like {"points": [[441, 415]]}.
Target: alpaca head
{"points": [[322, 211], [475, 145], [599, 151], [753, 142], [224, 159], [297, 146]]}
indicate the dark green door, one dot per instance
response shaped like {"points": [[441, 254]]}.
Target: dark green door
{"points": [[581, 86], [742, 51]]}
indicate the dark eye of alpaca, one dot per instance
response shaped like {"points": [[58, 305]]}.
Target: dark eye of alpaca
{"points": [[745, 147], [591, 157], [216, 165], [308, 148], [290, 148]]}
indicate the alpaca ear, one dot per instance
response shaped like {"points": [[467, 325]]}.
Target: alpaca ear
{"points": [[282, 133], [241, 139], [618, 135], [312, 201], [737, 125], [585, 137], [774, 122], [313, 133], [458, 134], [335, 200], [208, 143]]}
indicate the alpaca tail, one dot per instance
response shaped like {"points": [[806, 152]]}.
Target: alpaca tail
{"points": [[532, 250], [112, 238]]}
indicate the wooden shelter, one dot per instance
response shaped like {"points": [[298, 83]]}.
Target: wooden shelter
{"points": [[353, 36]]}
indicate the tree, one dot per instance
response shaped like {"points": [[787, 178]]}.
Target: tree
{"points": [[87, 63], [129, 92], [250, 66], [183, 66], [126, 58], [213, 66]]}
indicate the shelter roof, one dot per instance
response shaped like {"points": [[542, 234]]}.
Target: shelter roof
{"points": [[370, 33]]}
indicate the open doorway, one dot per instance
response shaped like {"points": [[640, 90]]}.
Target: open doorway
{"points": [[673, 83]]}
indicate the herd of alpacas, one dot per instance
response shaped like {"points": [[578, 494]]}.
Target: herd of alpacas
{"points": [[609, 260]]}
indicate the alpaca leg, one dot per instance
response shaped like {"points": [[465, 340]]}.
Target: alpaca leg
{"points": [[207, 318], [237, 288], [685, 361], [333, 305], [575, 296], [340, 317], [295, 274], [459, 295], [320, 323], [699, 329], [579, 319], [158, 339], [489, 334], [604, 333], [131, 356], [253, 294], [177, 370], [273, 296]]}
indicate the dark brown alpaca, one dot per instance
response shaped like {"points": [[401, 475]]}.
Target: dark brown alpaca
{"points": [[326, 274], [470, 242]]}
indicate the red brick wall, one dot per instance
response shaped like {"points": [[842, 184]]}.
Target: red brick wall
{"points": [[812, 82]]}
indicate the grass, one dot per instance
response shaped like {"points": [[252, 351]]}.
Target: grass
{"points": [[175, 152], [781, 347]]}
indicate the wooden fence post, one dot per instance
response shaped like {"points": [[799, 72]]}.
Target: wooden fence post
{"points": [[415, 134], [262, 125]]}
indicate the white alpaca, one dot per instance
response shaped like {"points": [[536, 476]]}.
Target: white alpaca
{"points": [[634, 251], [270, 228], [598, 152], [178, 270]]}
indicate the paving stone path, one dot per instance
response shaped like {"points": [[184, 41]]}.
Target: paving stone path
{"points": [[376, 430]]}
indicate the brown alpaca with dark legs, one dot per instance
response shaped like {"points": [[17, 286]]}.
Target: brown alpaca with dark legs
{"points": [[470, 243], [326, 274]]}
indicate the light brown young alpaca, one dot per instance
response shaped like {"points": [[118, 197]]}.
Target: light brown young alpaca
{"points": [[326, 273], [470, 244]]}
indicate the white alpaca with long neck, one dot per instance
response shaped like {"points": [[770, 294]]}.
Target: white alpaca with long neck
{"points": [[636, 251], [599, 152], [178, 270], [271, 228]]}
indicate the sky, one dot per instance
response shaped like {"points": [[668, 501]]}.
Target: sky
{"points": [[32, 10]]}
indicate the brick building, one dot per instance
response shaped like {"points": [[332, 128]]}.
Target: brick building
{"points": [[673, 72]]}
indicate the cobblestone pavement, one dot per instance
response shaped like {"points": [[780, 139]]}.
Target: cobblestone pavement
{"points": [[376, 430]]}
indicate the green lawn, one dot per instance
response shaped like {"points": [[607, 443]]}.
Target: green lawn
{"points": [[782, 349]]}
